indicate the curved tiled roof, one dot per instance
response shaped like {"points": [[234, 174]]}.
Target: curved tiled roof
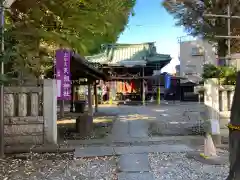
{"points": [[159, 57], [135, 52], [98, 58], [115, 54]]}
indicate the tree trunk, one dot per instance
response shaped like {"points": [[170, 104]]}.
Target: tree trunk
{"points": [[222, 48], [234, 135]]}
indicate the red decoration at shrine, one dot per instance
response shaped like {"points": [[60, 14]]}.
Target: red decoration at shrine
{"points": [[132, 85], [125, 87]]}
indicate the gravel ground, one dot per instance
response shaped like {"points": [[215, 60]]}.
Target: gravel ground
{"points": [[175, 166], [42, 169]]}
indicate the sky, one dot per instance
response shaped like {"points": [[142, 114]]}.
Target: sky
{"points": [[156, 26]]}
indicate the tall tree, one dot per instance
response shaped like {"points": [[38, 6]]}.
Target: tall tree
{"points": [[189, 14], [82, 25]]}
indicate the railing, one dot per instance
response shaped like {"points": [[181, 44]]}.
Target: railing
{"points": [[23, 121], [186, 38], [218, 100]]}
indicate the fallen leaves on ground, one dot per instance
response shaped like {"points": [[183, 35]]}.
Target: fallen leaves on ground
{"points": [[57, 167]]}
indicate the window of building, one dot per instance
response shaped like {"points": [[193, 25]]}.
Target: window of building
{"points": [[190, 69], [197, 51], [191, 66]]}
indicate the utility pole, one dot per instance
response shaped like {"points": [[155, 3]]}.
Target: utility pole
{"points": [[234, 142], [1, 85], [229, 30], [229, 36], [229, 17]]}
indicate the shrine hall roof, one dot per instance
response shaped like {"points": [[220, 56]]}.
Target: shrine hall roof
{"points": [[114, 54]]}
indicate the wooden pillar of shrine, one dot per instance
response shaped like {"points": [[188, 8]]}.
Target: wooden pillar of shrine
{"points": [[96, 97], [90, 109], [143, 87], [110, 92], [62, 108], [158, 91], [72, 98]]}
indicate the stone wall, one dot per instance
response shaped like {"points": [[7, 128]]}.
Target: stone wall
{"points": [[217, 100], [226, 94], [23, 111]]}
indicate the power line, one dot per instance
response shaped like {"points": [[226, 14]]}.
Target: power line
{"points": [[144, 25], [228, 17]]}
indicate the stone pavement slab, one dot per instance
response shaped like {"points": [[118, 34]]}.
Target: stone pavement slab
{"points": [[152, 149], [138, 128], [156, 139], [132, 150], [134, 163], [135, 176], [108, 151], [94, 151], [170, 148], [120, 130]]}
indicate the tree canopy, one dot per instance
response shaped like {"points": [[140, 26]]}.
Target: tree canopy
{"points": [[35, 29], [189, 14]]}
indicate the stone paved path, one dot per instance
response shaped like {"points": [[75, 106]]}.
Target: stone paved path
{"points": [[133, 123], [123, 150], [134, 166]]}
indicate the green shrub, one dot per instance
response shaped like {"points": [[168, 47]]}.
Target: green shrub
{"points": [[210, 71], [226, 74]]}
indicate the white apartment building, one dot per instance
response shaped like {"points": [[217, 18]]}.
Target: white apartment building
{"points": [[193, 55]]}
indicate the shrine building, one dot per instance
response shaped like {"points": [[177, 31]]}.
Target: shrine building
{"points": [[130, 67]]}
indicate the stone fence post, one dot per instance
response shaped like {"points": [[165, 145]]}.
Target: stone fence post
{"points": [[218, 101], [50, 110], [211, 98]]}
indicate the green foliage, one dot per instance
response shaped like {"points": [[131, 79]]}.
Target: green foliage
{"points": [[210, 71], [35, 29], [79, 24], [189, 14], [226, 74]]}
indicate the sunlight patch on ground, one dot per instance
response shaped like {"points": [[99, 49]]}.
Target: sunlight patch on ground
{"points": [[103, 120], [95, 120], [160, 110], [102, 127], [133, 117], [67, 121], [178, 122]]}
